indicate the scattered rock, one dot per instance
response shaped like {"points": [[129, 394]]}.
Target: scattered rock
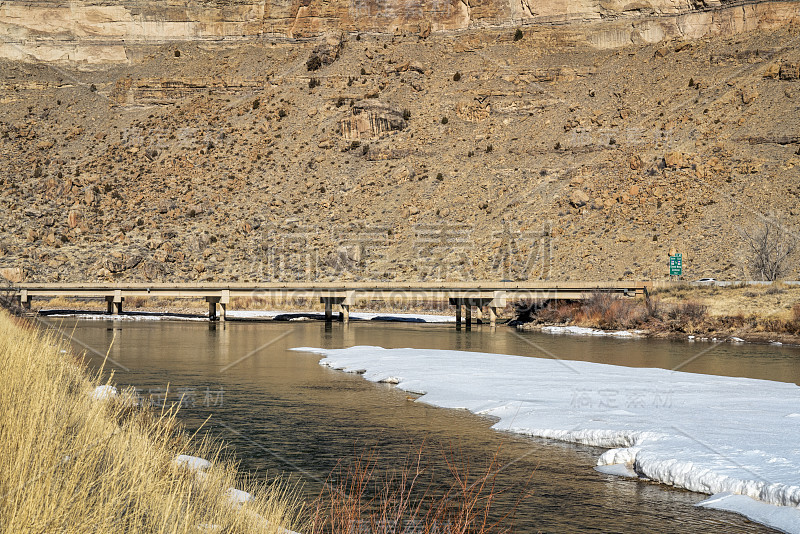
{"points": [[674, 159], [578, 198], [748, 96], [73, 218], [12, 274]]}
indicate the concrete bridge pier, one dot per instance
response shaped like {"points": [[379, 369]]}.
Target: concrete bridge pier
{"points": [[114, 303], [492, 316], [491, 299], [344, 300], [223, 301], [24, 300]]}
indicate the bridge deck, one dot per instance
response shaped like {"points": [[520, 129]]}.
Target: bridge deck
{"points": [[486, 293]]}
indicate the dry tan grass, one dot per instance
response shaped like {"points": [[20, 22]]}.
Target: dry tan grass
{"points": [[71, 463], [766, 302]]}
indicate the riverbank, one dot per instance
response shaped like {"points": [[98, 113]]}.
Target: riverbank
{"points": [[759, 314], [78, 458]]}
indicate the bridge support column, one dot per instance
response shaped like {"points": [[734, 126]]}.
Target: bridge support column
{"points": [[344, 315], [492, 316], [224, 299], [114, 303], [328, 310], [212, 307], [458, 314], [468, 315], [24, 300]]}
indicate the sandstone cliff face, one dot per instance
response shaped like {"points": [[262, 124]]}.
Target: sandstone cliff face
{"points": [[93, 32]]}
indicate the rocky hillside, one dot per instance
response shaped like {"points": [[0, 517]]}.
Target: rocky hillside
{"points": [[484, 153]]}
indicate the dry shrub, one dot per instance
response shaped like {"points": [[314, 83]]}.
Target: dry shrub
{"points": [[557, 311], [356, 499], [70, 463], [796, 313], [135, 302], [565, 312], [693, 310], [736, 322], [605, 310], [653, 307]]}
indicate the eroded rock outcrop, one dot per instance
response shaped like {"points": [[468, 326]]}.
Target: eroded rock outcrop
{"points": [[371, 119], [92, 32]]}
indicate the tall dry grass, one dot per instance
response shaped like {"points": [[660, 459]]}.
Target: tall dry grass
{"points": [[71, 463], [409, 499]]}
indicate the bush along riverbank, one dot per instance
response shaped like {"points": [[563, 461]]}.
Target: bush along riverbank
{"points": [[769, 314], [75, 456]]}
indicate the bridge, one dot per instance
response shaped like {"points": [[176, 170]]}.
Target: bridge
{"points": [[466, 295]]}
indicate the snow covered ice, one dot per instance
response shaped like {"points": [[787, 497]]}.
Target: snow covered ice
{"points": [[710, 434]]}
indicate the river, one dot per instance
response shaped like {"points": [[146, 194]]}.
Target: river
{"points": [[283, 413]]}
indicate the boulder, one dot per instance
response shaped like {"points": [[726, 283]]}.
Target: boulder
{"points": [[73, 218], [674, 159], [12, 274], [578, 198], [748, 96]]}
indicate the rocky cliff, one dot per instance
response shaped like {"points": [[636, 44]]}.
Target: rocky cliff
{"points": [[92, 32]]}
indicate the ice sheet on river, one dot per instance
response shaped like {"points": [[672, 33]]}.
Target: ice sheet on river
{"points": [[709, 434]]}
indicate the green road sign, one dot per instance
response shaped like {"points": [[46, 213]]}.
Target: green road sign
{"points": [[676, 265]]}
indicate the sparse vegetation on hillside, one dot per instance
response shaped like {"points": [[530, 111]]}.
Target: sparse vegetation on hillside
{"points": [[131, 181]]}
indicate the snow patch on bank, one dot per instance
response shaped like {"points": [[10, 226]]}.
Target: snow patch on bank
{"points": [[584, 331], [105, 392], [709, 434], [778, 517]]}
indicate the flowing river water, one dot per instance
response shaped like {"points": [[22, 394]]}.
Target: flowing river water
{"points": [[283, 413]]}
